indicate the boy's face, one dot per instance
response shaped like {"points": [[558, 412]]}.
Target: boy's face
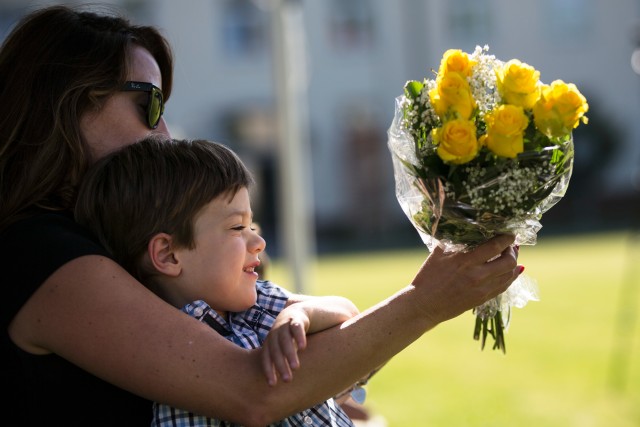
{"points": [[220, 269]]}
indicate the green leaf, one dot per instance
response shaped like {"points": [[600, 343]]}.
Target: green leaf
{"points": [[413, 88]]}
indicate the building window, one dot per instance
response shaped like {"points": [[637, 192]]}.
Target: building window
{"points": [[569, 20], [469, 22], [351, 24], [245, 31]]}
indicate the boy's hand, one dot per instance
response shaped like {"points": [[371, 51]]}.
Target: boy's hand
{"points": [[280, 349]]}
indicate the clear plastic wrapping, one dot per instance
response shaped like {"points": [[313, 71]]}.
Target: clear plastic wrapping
{"points": [[453, 221], [483, 148]]}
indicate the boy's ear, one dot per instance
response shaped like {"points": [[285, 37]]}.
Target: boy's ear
{"points": [[162, 256]]}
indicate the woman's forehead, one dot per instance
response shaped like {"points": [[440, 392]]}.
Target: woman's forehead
{"points": [[143, 66]]}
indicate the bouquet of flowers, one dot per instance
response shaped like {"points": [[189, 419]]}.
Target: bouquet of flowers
{"points": [[484, 148]]}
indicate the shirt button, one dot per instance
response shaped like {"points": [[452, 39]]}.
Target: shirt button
{"points": [[197, 312], [308, 420]]}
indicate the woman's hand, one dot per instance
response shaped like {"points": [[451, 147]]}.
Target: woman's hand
{"points": [[449, 284]]}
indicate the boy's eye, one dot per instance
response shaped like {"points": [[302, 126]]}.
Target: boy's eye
{"points": [[239, 227]]}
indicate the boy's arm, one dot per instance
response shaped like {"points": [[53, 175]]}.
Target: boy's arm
{"points": [[302, 315], [323, 312]]}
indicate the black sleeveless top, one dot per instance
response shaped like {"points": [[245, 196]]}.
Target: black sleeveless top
{"points": [[47, 389]]}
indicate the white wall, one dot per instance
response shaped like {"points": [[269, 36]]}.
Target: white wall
{"points": [[587, 42]]}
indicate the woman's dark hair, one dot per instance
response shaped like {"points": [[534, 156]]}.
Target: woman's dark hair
{"points": [[55, 65]]}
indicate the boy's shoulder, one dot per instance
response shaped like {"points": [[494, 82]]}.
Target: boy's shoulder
{"points": [[271, 296]]}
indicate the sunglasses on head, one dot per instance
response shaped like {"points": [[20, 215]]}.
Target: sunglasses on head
{"points": [[155, 104]]}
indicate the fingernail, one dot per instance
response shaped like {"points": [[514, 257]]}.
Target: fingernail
{"points": [[521, 269]]}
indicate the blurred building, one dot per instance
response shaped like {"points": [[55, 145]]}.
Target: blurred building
{"points": [[359, 55]]}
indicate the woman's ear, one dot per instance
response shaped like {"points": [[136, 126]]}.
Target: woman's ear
{"points": [[161, 251]]}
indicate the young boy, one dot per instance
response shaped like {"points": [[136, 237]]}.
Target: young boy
{"points": [[176, 214]]}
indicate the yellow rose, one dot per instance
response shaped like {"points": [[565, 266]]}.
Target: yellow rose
{"points": [[456, 61], [518, 83], [452, 95], [560, 109], [456, 141], [505, 130]]}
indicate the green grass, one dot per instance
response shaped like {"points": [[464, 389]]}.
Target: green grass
{"points": [[573, 358]]}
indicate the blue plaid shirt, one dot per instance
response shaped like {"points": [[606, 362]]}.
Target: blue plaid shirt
{"points": [[249, 329]]}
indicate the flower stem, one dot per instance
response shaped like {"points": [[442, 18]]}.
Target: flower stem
{"points": [[493, 326]]}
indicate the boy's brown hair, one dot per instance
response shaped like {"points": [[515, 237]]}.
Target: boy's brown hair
{"points": [[156, 185]]}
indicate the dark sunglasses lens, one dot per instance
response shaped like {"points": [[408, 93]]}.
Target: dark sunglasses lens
{"points": [[155, 108]]}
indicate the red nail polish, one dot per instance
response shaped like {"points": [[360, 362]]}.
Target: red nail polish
{"points": [[521, 269]]}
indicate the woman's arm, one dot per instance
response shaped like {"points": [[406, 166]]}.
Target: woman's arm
{"points": [[91, 312]]}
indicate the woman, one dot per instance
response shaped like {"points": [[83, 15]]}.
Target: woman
{"points": [[84, 342]]}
